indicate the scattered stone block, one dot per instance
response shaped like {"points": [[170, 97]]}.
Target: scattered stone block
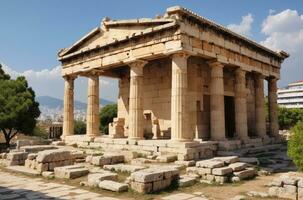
{"points": [[221, 179], [166, 158], [123, 168], [113, 186], [210, 164], [227, 159], [32, 156], [186, 181], [53, 156], [222, 171], [246, 174], [257, 194], [188, 163], [70, 172], [94, 179], [153, 179], [48, 174], [238, 166]]}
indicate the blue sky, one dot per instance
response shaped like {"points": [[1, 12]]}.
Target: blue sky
{"points": [[32, 31]]}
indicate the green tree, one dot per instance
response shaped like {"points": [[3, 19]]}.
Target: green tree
{"points": [[18, 108], [295, 145], [79, 127], [289, 117], [107, 114]]}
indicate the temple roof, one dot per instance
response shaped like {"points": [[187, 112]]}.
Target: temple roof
{"points": [[139, 27]]}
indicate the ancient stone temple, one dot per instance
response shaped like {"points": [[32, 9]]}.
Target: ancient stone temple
{"points": [[185, 83]]}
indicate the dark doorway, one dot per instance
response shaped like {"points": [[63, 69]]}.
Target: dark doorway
{"points": [[229, 106]]}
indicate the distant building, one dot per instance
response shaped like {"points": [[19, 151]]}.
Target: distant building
{"points": [[292, 95], [53, 129]]}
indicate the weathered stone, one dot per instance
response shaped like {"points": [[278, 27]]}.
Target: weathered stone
{"points": [[123, 168], [48, 174], [227, 159], [32, 156], [238, 166], [166, 158], [94, 179], [185, 181], [100, 160], [188, 163], [70, 172], [113, 186], [222, 171], [238, 197], [141, 187], [246, 174], [53, 155], [221, 179], [210, 163]]}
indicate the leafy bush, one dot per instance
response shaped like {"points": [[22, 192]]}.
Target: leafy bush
{"points": [[289, 117], [40, 132], [79, 127], [107, 114], [295, 145]]}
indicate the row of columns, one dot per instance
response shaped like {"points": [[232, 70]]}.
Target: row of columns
{"points": [[179, 113]]}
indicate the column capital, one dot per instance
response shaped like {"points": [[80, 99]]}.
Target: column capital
{"points": [[70, 77], [240, 71], [215, 63], [181, 54], [137, 64]]}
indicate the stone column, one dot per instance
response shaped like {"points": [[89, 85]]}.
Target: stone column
{"points": [[68, 110], [273, 107], [240, 104], [179, 112], [136, 117], [217, 115], [92, 115], [260, 106]]}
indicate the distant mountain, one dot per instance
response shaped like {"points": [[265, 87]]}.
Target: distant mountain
{"points": [[53, 103]]}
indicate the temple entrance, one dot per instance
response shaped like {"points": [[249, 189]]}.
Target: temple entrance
{"points": [[229, 106]]}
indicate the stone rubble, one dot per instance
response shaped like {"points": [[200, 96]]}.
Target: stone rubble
{"points": [[153, 179], [70, 171], [113, 186], [47, 160], [222, 170], [123, 168], [93, 179], [288, 185], [15, 158], [106, 159]]}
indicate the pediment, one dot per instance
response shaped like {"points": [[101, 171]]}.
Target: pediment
{"points": [[111, 31]]}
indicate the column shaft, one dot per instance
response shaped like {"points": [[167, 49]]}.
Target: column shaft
{"points": [[68, 110], [136, 118], [273, 107], [92, 115], [241, 104], [217, 115], [260, 106], [179, 112]]}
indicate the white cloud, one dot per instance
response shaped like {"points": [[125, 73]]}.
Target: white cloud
{"points": [[49, 82], [244, 27], [284, 31]]}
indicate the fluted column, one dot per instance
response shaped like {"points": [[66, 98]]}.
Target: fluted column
{"points": [[260, 106], [217, 113], [136, 117], [92, 115], [68, 110], [240, 104], [273, 107], [179, 112]]}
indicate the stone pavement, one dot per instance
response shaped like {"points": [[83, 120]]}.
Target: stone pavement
{"points": [[22, 188]]}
